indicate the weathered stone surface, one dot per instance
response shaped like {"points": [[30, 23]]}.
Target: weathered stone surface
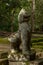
{"points": [[15, 63], [21, 57], [17, 58], [18, 63]]}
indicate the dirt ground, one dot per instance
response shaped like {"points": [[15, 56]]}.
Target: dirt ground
{"points": [[4, 47]]}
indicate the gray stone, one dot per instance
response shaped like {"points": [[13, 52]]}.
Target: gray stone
{"points": [[25, 30], [23, 36], [15, 63], [18, 63]]}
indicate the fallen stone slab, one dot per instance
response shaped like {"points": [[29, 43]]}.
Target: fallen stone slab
{"points": [[18, 63]]}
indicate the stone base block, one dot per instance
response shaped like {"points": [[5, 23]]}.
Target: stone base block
{"points": [[18, 63]]}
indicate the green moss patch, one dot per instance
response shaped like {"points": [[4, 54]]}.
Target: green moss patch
{"points": [[4, 40]]}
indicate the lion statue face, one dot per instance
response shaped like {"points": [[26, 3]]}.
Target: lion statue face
{"points": [[23, 16]]}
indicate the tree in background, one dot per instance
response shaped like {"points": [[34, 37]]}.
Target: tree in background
{"points": [[39, 15], [9, 10]]}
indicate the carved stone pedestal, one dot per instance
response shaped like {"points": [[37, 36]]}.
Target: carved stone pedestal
{"points": [[18, 63]]}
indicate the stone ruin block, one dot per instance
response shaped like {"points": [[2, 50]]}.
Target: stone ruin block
{"points": [[18, 63]]}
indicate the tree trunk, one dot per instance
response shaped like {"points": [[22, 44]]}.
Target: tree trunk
{"points": [[33, 14], [12, 19]]}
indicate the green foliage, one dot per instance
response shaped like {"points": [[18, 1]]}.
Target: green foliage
{"points": [[6, 8], [27, 5], [11, 8], [4, 40], [39, 14]]}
